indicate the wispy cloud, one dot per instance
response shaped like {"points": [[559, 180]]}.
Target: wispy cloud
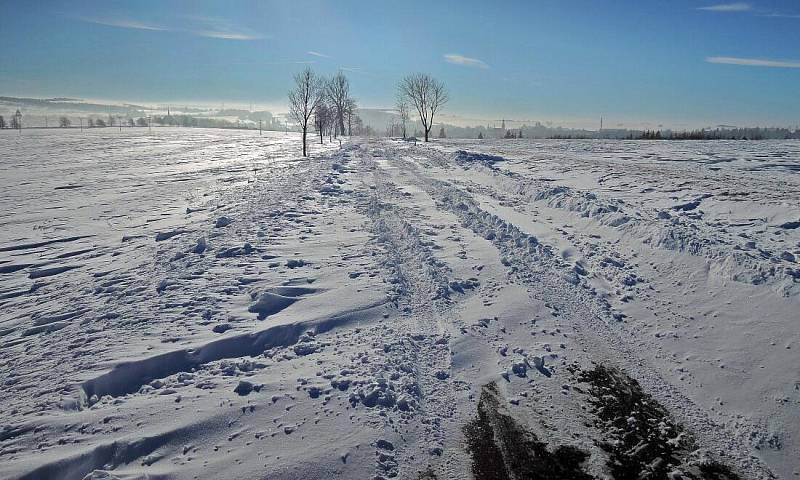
{"points": [[317, 54], [122, 23], [780, 15], [357, 71], [457, 59], [728, 7], [746, 7], [225, 35], [210, 27], [217, 27], [288, 62], [754, 62]]}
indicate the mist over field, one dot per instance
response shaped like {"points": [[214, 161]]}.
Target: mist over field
{"points": [[358, 241]]}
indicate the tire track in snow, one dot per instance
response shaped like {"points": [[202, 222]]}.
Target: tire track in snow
{"points": [[536, 265], [422, 290]]}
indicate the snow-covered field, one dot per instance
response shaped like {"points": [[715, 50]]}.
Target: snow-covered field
{"points": [[207, 304]]}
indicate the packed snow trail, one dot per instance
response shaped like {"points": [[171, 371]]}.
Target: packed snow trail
{"points": [[386, 310]]}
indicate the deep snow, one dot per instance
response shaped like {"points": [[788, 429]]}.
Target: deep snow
{"points": [[205, 304]]}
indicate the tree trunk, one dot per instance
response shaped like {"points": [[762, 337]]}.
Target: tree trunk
{"points": [[427, 131], [305, 130]]}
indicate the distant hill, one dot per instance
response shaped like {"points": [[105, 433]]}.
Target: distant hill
{"points": [[69, 105], [38, 112]]}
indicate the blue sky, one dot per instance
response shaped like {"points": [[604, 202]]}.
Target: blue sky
{"points": [[678, 63]]}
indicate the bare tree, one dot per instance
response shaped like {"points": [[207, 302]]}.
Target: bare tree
{"points": [[390, 128], [350, 113], [304, 99], [322, 120], [2, 122], [64, 122], [16, 120], [402, 109], [358, 125], [427, 95], [338, 91]]}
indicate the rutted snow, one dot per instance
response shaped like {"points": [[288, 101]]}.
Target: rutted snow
{"points": [[206, 303]]}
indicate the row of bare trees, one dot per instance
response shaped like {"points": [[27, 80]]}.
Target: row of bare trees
{"points": [[326, 104], [15, 123], [65, 122], [336, 113]]}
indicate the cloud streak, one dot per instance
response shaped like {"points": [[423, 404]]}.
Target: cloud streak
{"points": [[728, 7], [754, 62], [746, 7], [123, 23], [457, 59], [287, 62], [317, 54], [225, 35], [780, 15], [208, 27]]}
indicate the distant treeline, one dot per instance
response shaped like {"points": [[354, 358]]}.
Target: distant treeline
{"points": [[540, 131], [203, 122], [754, 133], [719, 134], [66, 121]]}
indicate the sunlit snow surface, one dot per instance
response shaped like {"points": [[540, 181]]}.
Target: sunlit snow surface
{"points": [[107, 183], [722, 198], [206, 303]]}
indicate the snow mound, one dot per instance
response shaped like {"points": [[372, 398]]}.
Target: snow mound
{"points": [[275, 299], [463, 157], [222, 222], [270, 304]]}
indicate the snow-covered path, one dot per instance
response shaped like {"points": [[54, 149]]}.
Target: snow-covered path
{"points": [[383, 309]]}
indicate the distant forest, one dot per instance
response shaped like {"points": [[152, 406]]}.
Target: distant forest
{"points": [[539, 131], [755, 133]]}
